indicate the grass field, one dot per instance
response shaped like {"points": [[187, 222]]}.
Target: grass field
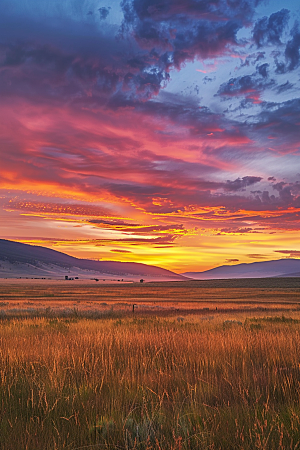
{"points": [[228, 379], [16, 296]]}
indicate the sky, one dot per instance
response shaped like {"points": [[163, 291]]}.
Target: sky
{"points": [[157, 131]]}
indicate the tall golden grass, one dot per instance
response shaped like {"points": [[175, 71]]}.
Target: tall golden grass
{"points": [[148, 383]]}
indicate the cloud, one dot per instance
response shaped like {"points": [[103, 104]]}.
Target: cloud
{"points": [[266, 198], [280, 121], [139, 228], [263, 70], [284, 87], [288, 193], [249, 85], [231, 260], [63, 59], [256, 256], [237, 230], [182, 31], [273, 219], [57, 208], [241, 183], [269, 30], [104, 12], [149, 242], [292, 48], [98, 111], [84, 62], [290, 253]]}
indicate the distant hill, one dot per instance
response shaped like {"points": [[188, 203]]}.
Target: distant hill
{"points": [[262, 269], [23, 260]]}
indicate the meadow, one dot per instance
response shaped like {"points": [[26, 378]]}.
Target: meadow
{"points": [[225, 379], [35, 297]]}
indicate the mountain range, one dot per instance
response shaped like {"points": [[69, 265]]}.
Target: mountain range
{"points": [[31, 261], [264, 269], [23, 260]]}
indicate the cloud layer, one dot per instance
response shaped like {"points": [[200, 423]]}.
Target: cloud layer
{"points": [[150, 122]]}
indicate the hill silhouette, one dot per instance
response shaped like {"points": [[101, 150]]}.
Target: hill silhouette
{"points": [[278, 268], [17, 259]]}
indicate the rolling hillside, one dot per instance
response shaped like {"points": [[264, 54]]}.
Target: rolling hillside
{"points": [[23, 260], [262, 269]]}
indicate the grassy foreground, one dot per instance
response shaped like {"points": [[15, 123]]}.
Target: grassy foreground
{"points": [[149, 384]]}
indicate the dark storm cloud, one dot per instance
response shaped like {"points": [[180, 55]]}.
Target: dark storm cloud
{"points": [[181, 31], [253, 59], [280, 120], [241, 183], [59, 59], [158, 10], [65, 73], [277, 126], [289, 60], [288, 192], [266, 198], [247, 84], [72, 74], [284, 87], [288, 195], [88, 66], [263, 70], [292, 48], [269, 30], [285, 194], [104, 12], [280, 66], [68, 61]]}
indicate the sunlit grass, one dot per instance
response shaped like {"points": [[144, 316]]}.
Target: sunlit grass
{"points": [[150, 383]]}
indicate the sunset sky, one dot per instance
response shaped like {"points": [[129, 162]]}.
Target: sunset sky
{"points": [[157, 131]]}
